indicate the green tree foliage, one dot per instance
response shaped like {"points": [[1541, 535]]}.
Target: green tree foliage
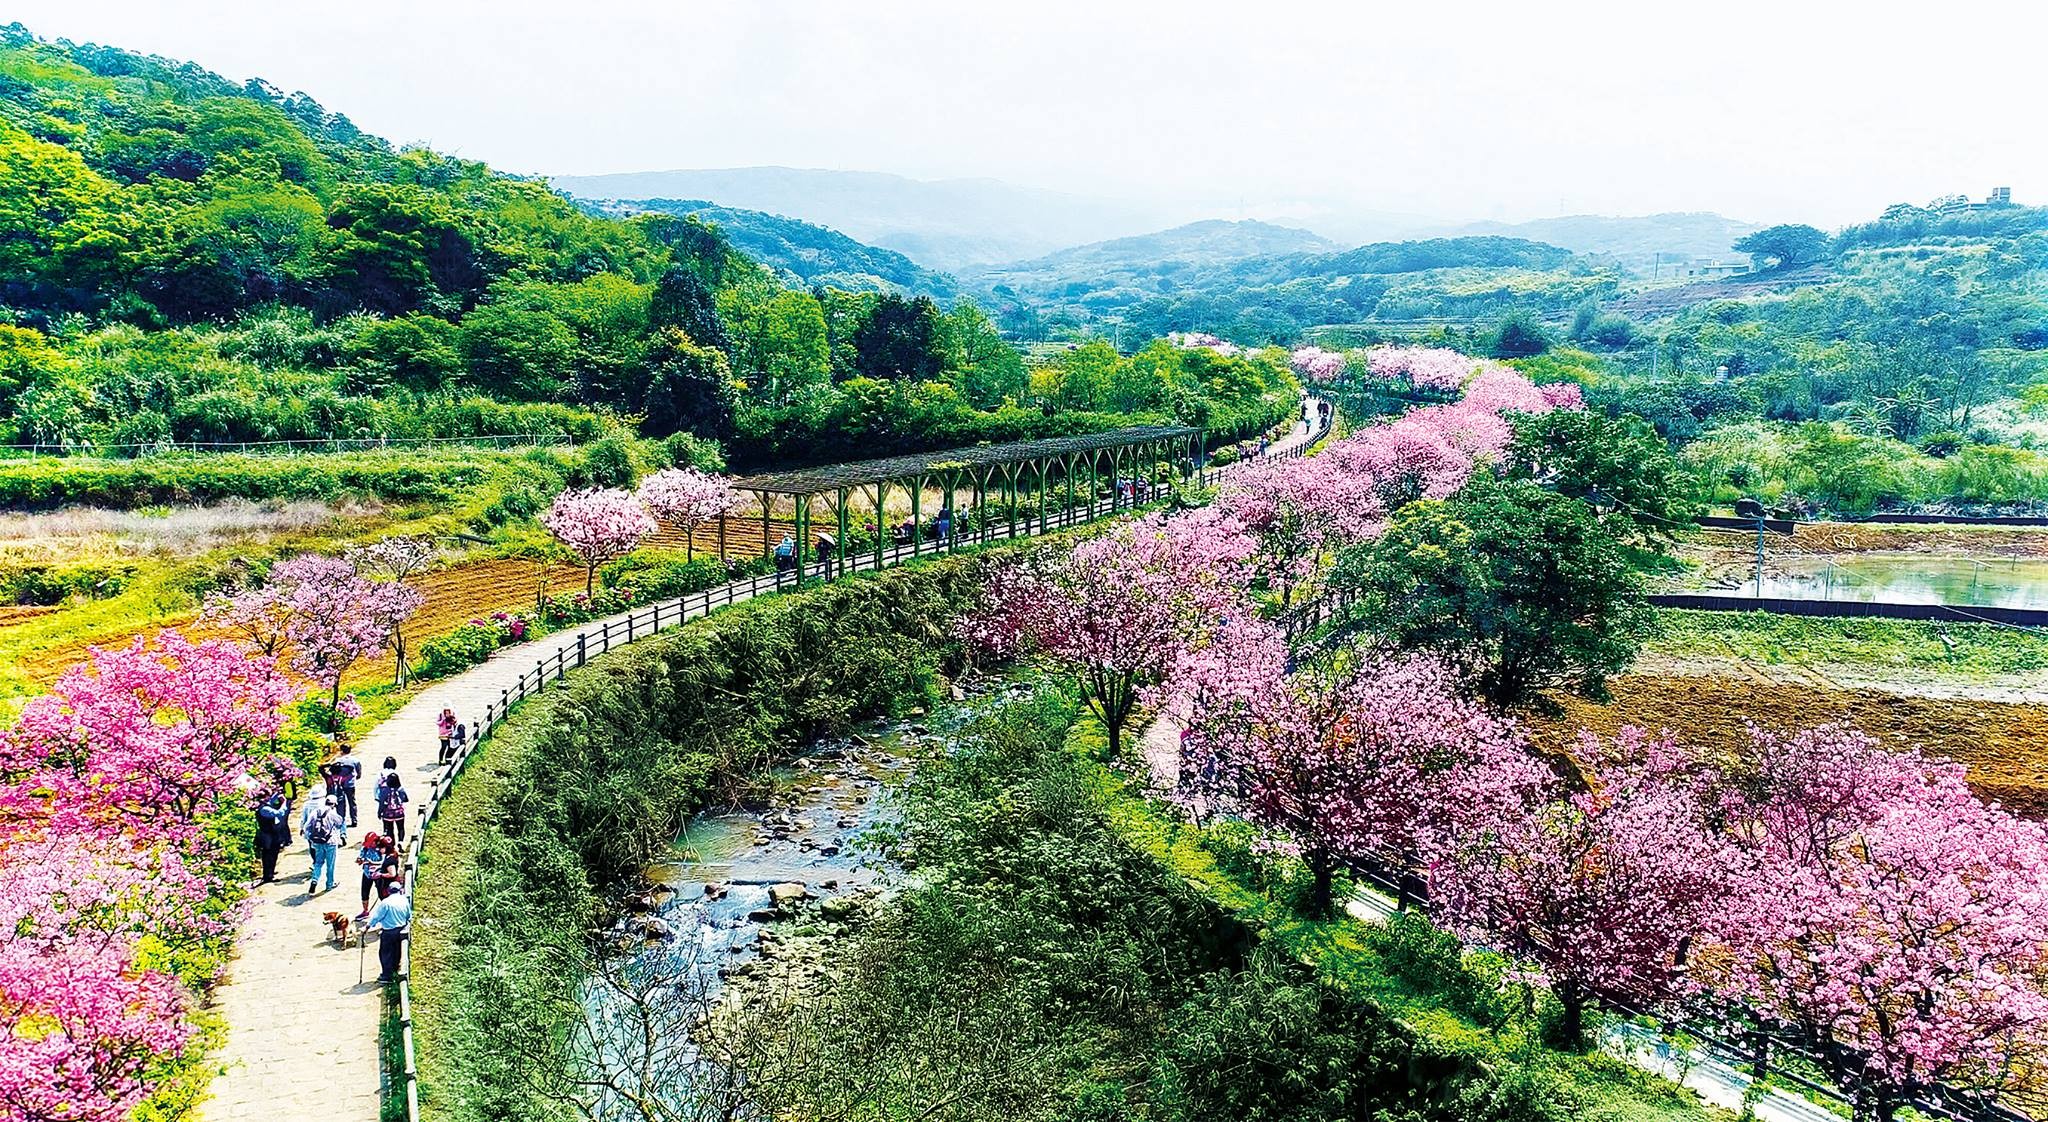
{"points": [[901, 340], [1519, 336], [684, 301], [1618, 466], [985, 368], [1519, 585], [689, 388], [1787, 246]]}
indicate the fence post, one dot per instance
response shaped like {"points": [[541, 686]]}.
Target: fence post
{"points": [[579, 648]]}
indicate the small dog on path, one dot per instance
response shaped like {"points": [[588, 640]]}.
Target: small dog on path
{"points": [[337, 927]]}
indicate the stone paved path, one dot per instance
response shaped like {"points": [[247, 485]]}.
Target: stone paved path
{"points": [[302, 1029], [303, 1013]]}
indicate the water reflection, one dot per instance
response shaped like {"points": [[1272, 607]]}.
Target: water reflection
{"points": [[1908, 578]]}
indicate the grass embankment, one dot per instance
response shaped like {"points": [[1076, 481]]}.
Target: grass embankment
{"points": [[1961, 650], [575, 793]]}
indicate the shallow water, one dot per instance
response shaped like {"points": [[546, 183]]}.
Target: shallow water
{"points": [[713, 895], [1908, 578]]}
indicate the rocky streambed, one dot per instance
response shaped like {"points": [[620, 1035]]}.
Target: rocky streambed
{"points": [[755, 892]]}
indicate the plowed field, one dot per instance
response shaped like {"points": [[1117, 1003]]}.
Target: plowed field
{"points": [[2004, 744]]}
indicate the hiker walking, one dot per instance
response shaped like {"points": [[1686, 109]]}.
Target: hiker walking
{"points": [[346, 769], [445, 726], [370, 859], [273, 832], [391, 800], [390, 919], [460, 742], [325, 833]]}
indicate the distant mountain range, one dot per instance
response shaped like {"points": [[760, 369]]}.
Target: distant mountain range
{"points": [[1145, 257], [1635, 242], [802, 252], [950, 224]]}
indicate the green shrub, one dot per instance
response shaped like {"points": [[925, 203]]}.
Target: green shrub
{"points": [[457, 650], [658, 574]]}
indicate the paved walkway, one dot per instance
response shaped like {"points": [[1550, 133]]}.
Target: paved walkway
{"points": [[302, 1013]]}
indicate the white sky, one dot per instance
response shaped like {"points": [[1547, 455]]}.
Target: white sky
{"points": [[1783, 110]]}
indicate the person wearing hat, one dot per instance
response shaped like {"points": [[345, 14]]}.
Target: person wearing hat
{"points": [[326, 832]]}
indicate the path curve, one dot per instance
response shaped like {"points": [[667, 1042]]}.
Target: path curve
{"points": [[303, 1013]]}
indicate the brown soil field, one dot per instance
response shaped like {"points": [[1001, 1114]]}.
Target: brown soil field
{"points": [[11, 614], [2004, 744], [454, 596]]}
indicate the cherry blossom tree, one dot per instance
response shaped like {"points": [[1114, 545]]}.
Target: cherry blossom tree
{"points": [[1896, 924], [1381, 762], [689, 498], [158, 731], [396, 559], [107, 870], [1605, 888], [1116, 611], [1436, 369], [598, 525], [1314, 364], [1298, 509]]}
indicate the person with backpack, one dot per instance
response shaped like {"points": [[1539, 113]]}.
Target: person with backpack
{"points": [[326, 832], [369, 858], [444, 725], [461, 740], [347, 769], [391, 800], [273, 832]]}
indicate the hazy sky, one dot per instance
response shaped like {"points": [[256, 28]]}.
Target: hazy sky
{"points": [[1787, 110]]}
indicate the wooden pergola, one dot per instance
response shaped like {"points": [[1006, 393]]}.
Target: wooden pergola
{"points": [[985, 476]]}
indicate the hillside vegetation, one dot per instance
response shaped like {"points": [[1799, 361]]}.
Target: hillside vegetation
{"points": [[192, 261]]}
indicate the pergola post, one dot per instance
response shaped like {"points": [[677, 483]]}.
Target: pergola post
{"points": [[1041, 497], [1068, 513], [917, 514], [722, 556], [841, 543], [767, 540], [803, 503], [881, 521]]}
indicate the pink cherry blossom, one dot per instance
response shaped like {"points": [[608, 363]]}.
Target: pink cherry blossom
{"points": [[1314, 364], [689, 498], [598, 525]]}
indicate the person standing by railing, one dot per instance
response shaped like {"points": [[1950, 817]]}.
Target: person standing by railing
{"points": [[391, 919]]}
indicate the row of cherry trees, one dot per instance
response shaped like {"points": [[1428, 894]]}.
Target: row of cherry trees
{"points": [[117, 886], [1858, 899], [604, 524]]}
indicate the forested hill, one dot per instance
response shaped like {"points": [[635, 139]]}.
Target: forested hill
{"points": [[1273, 296], [802, 253], [189, 260], [161, 193]]}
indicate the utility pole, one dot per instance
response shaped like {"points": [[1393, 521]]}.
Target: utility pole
{"points": [[1751, 508]]}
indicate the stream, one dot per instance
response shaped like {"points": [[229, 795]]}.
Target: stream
{"points": [[799, 853]]}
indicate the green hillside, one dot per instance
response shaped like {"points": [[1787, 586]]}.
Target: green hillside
{"points": [[804, 253], [188, 260]]}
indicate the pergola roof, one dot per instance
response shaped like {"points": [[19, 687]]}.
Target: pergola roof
{"points": [[818, 480]]}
